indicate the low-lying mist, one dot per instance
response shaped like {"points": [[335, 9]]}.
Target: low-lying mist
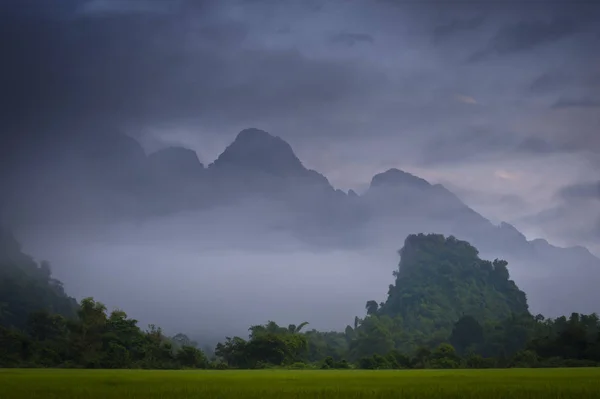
{"points": [[213, 273]]}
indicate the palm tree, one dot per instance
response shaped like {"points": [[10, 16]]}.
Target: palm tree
{"points": [[296, 329]]}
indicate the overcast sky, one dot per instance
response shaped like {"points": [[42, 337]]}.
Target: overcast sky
{"points": [[500, 101]]}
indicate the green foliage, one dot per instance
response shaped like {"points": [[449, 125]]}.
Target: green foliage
{"points": [[440, 280], [331, 363], [27, 287], [268, 344], [467, 334], [448, 309], [93, 340]]}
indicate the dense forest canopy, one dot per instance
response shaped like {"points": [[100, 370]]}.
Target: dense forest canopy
{"points": [[447, 309], [441, 279]]}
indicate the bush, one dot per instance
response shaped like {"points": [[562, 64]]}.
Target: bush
{"points": [[218, 365], [375, 362], [300, 366]]}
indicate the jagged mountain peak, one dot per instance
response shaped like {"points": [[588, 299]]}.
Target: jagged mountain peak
{"points": [[256, 135], [256, 150], [396, 178]]}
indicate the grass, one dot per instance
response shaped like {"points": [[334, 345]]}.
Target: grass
{"points": [[133, 384]]}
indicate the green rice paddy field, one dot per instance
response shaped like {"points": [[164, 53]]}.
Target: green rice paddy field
{"points": [[133, 384]]}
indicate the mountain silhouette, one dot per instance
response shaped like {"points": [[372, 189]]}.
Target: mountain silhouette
{"points": [[110, 179]]}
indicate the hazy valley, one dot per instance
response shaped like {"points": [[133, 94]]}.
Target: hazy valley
{"points": [[162, 232]]}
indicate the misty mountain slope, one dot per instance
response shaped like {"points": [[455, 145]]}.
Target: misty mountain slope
{"points": [[111, 180], [260, 163], [556, 279], [176, 162], [26, 286], [263, 167], [403, 196]]}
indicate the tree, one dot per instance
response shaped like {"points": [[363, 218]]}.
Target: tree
{"points": [[89, 332], [233, 352], [182, 340], [445, 357], [191, 357], [292, 328], [372, 307], [373, 337], [466, 334], [422, 357]]}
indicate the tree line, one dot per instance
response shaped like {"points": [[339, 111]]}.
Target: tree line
{"points": [[98, 339], [433, 318]]}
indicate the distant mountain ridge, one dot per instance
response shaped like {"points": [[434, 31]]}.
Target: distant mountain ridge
{"points": [[111, 179]]}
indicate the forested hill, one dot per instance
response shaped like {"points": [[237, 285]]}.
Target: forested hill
{"points": [[441, 279], [27, 287], [448, 308]]}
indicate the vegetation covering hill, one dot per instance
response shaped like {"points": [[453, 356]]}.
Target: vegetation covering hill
{"points": [[27, 287], [434, 318], [442, 279]]}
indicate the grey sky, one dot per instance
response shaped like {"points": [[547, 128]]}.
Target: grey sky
{"points": [[500, 101]]}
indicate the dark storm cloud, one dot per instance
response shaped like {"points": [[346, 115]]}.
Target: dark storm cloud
{"points": [[222, 66], [455, 26], [550, 82], [576, 217], [117, 61], [584, 102], [539, 145], [581, 191], [103, 7], [586, 77], [480, 142], [540, 24], [525, 36], [463, 146], [350, 39]]}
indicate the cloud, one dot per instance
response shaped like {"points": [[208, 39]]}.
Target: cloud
{"points": [[456, 26], [527, 35], [540, 145], [581, 191], [506, 175], [148, 69], [466, 99], [550, 82], [201, 71], [585, 102], [575, 218], [477, 143], [350, 39], [97, 7]]}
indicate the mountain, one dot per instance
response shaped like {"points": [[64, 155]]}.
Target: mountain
{"points": [[102, 179], [259, 163], [444, 292], [256, 151], [176, 163], [440, 279], [558, 280], [26, 286]]}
